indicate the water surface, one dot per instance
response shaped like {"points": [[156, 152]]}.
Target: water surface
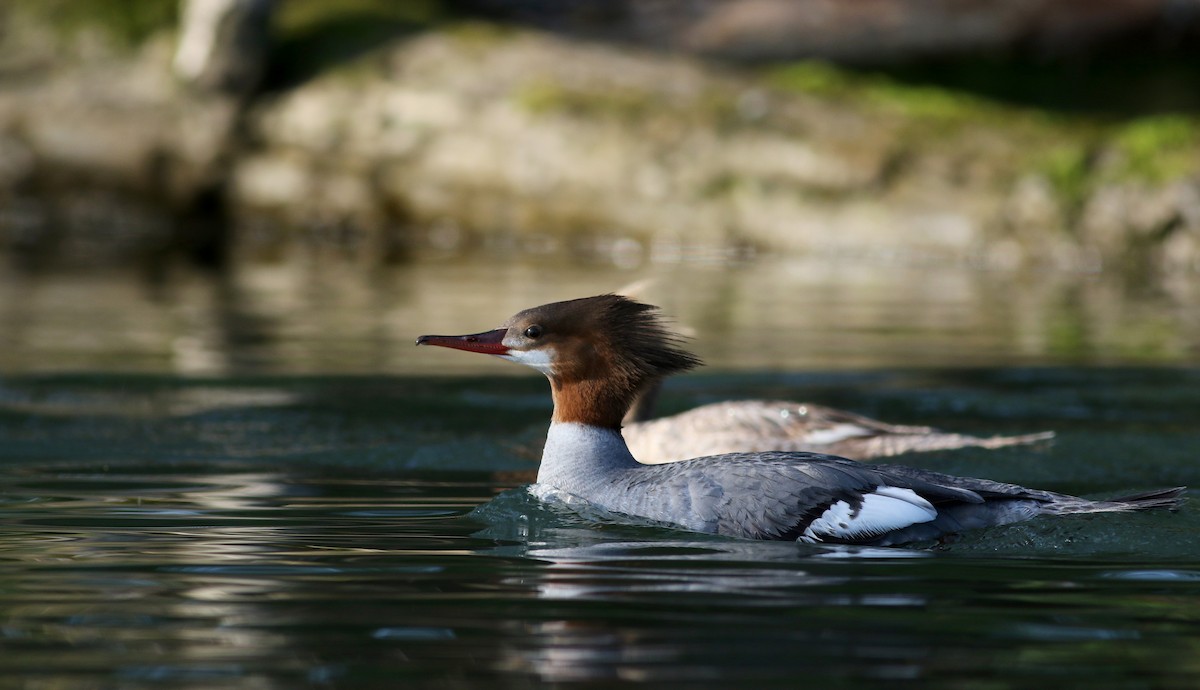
{"points": [[320, 314], [342, 531], [253, 480]]}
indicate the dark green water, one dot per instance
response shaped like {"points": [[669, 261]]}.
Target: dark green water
{"points": [[305, 531], [253, 480]]}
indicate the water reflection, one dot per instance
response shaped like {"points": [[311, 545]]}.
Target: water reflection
{"points": [[675, 598], [162, 403], [193, 579], [263, 578], [322, 314], [295, 531]]}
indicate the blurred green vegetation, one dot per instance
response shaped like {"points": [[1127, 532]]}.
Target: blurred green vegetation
{"points": [[310, 35], [1067, 143], [133, 21], [1067, 167], [126, 22], [1118, 81], [298, 16], [880, 92], [712, 109], [1159, 148], [314, 35]]}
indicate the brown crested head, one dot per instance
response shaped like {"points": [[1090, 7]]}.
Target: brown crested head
{"points": [[598, 352], [607, 336]]}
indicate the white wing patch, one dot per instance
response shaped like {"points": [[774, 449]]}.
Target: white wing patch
{"points": [[885, 509]]}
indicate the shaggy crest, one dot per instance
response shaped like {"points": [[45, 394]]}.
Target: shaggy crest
{"points": [[644, 339]]}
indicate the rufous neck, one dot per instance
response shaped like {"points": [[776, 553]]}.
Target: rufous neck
{"points": [[600, 403]]}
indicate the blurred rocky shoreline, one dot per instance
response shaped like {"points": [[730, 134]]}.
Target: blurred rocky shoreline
{"points": [[468, 133]]}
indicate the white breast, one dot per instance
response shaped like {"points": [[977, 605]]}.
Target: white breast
{"points": [[581, 459]]}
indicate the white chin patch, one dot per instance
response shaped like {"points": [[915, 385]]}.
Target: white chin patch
{"points": [[540, 359], [885, 509]]}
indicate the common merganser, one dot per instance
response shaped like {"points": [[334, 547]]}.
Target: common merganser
{"points": [[760, 425], [598, 352]]}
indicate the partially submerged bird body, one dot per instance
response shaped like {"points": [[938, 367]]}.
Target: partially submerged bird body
{"points": [[806, 496], [599, 352], [765, 425]]}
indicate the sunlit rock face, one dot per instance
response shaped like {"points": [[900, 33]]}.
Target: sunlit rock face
{"points": [[477, 135]]}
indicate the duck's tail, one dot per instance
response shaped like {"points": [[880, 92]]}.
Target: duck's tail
{"points": [[1170, 499]]}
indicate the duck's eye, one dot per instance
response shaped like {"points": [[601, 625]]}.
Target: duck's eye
{"points": [[533, 332]]}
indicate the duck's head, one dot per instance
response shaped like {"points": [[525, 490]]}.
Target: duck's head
{"points": [[601, 349]]}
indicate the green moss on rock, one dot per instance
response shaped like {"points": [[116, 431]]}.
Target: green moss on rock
{"points": [[1067, 167], [879, 92], [1156, 149], [1063, 148], [544, 97]]}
